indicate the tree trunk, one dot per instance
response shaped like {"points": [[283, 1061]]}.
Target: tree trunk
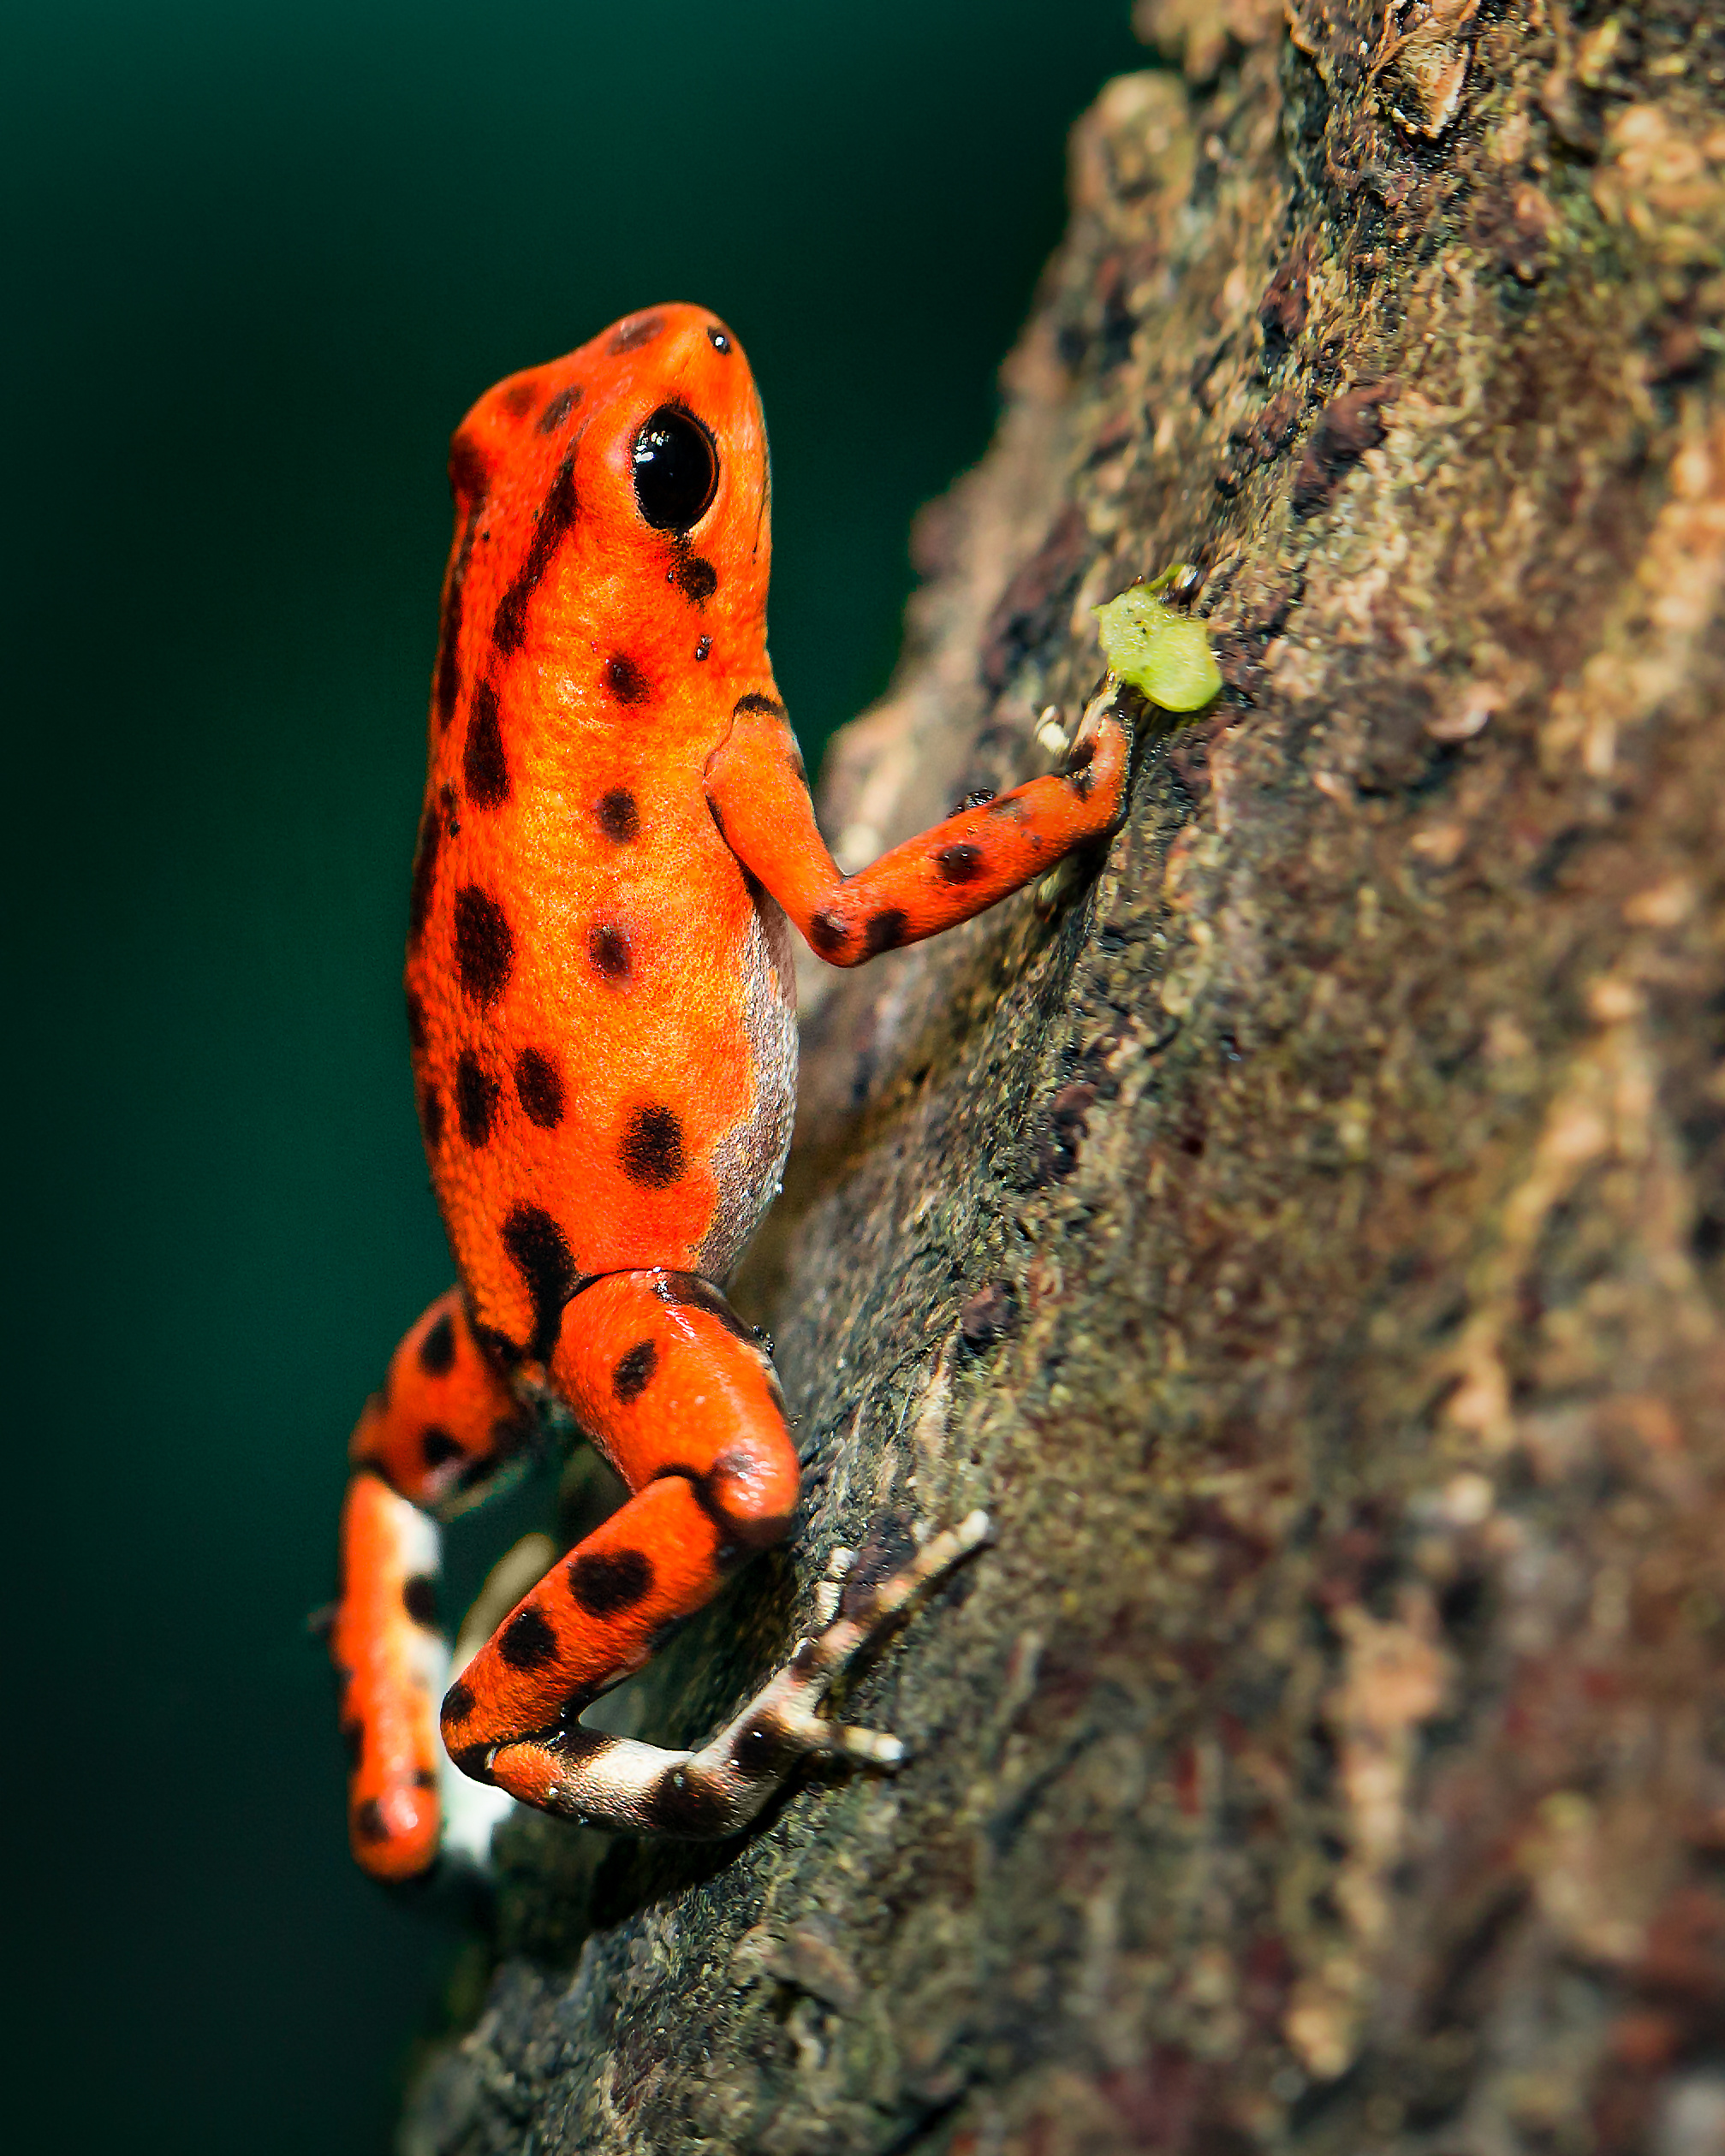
{"points": [[1309, 1245]]}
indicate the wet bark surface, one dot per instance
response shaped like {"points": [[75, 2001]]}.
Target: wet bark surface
{"points": [[1309, 1244]]}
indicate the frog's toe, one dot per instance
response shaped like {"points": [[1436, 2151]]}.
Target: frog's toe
{"points": [[829, 1588]]}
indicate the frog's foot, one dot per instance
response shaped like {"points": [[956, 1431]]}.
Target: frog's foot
{"points": [[585, 1775], [784, 1714]]}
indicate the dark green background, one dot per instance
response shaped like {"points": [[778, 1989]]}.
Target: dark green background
{"points": [[261, 258]]}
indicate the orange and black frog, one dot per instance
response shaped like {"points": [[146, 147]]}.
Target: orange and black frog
{"points": [[616, 843]]}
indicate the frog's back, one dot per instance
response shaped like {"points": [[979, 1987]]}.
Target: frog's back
{"points": [[600, 1001]]}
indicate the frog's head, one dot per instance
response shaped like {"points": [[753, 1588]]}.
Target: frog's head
{"points": [[620, 497]]}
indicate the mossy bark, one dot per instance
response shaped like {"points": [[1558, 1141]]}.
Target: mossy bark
{"points": [[1309, 1245]]}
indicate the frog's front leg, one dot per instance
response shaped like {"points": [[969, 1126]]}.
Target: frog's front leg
{"points": [[684, 1404], [760, 799]]}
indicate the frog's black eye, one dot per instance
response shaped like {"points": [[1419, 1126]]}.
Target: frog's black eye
{"points": [[676, 470]]}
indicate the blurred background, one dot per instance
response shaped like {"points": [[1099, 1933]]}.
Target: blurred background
{"points": [[260, 260]]}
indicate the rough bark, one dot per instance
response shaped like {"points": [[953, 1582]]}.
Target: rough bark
{"points": [[1310, 1245]]}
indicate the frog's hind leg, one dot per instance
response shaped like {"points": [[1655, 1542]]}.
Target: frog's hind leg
{"points": [[683, 1402], [433, 1439]]}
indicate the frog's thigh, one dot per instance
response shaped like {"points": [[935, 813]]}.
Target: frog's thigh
{"points": [[682, 1400]]}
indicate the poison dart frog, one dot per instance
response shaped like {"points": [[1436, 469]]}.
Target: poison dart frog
{"points": [[617, 838]]}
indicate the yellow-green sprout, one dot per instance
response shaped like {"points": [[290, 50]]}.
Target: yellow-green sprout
{"points": [[1163, 655]]}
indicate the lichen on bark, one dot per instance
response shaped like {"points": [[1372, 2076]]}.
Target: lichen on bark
{"points": [[1309, 1245]]}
